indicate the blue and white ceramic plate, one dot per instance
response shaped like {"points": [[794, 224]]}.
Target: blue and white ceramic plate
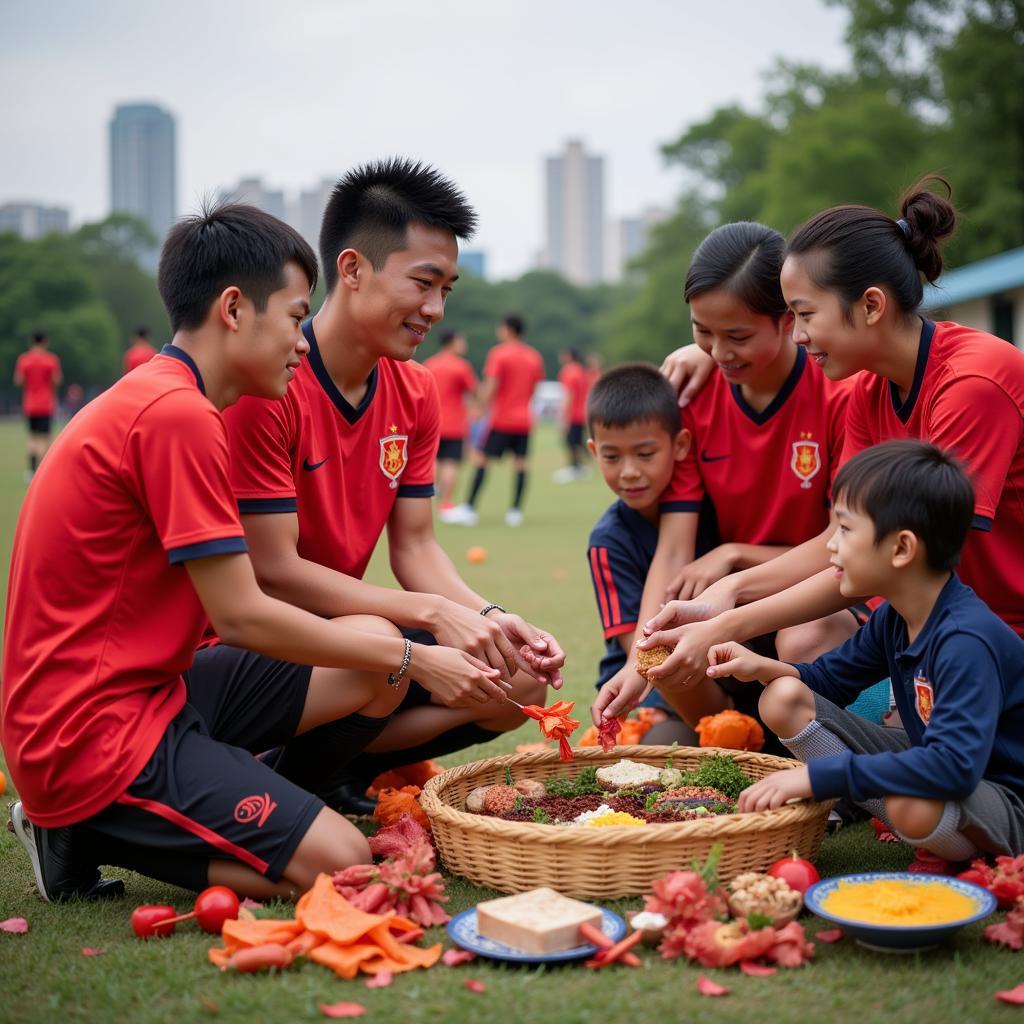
{"points": [[900, 938], [462, 931]]}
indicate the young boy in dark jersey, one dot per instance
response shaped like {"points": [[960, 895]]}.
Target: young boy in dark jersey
{"points": [[350, 451], [126, 745], [952, 779]]}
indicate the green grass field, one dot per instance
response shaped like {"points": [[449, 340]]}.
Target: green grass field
{"points": [[540, 571]]}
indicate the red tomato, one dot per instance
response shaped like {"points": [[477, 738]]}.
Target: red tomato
{"points": [[796, 873], [214, 906], [146, 921]]}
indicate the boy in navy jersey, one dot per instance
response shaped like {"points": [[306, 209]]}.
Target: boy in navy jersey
{"points": [[953, 778], [636, 438]]}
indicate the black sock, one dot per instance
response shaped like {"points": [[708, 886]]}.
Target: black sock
{"points": [[478, 482], [319, 760], [517, 500], [366, 767], [33, 462]]}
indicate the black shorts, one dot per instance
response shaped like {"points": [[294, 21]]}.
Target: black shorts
{"points": [[574, 435], [450, 449], [203, 795], [39, 424], [498, 442]]}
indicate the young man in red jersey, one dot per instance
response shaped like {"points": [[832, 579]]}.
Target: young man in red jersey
{"points": [[512, 372], [126, 745], [456, 381], [37, 372], [576, 383], [350, 452], [139, 351]]}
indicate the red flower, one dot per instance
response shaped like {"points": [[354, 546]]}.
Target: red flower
{"points": [[609, 733], [555, 724], [1011, 931], [791, 948], [720, 945], [397, 838], [1005, 881]]}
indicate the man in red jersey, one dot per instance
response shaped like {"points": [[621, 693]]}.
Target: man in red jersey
{"points": [[140, 351], [350, 452], [576, 381], [512, 371], [126, 745], [37, 372], [456, 381]]}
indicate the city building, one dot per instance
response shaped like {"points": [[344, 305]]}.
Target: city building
{"points": [[33, 220], [308, 211], [628, 239], [142, 167], [474, 262], [254, 192], [575, 215]]}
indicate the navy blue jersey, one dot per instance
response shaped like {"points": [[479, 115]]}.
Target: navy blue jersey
{"points": [[959, 688]]}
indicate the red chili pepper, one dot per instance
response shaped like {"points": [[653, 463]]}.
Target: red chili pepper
{"points": [[608, 956], [596, 937]]}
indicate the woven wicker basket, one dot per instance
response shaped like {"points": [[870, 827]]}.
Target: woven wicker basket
{"points": [[605, 863]]}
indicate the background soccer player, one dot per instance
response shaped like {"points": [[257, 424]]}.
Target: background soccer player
{"points": [[38, 373]]}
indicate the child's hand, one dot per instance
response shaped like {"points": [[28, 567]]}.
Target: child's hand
{"points": [[695, 578], [777, 789], [733, 659], [623, 692]]}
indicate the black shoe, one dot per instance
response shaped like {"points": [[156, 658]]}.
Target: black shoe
{"points": [[60, 873], [351, 798]]}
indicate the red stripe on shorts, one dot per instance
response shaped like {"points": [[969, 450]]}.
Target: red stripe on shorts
{"points": [[207, 835]]}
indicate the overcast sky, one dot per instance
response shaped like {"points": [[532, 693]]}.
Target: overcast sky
{"points": [[292, 92]]}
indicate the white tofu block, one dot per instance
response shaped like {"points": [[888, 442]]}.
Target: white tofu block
{"points": [[538, 921]]}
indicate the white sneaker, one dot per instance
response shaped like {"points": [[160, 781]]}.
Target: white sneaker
{"points": [[460, 515], [565, 475], [513, 517]]}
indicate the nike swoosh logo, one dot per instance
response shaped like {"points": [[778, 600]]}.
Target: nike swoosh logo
{"points": [[704, 457], [310, 466]]}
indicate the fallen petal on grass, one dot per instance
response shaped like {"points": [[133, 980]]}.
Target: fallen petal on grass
{"points": [[87, 951], [829, 935], [15, 925], [475, 986], [707, 987], [1014, 996], [454, 957], [380, 980], [342, 1009], [756, 970]]}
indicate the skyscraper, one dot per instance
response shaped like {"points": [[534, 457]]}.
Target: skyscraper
{"points": [[33, 220], [575, 214], [142, 165]]}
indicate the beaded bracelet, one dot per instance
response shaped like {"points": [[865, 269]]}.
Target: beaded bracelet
{"points": [[395, 680], [491, 608]]}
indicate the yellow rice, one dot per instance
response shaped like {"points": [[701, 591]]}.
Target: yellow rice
{"points": [[898, 903]]}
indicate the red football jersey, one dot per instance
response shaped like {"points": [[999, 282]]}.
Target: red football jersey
{"points": [[576, 381], [139, 354], [39, 368], [340, 468], [516, 368], [455, 379], [102, 618], [768, 474], [967, 396]]}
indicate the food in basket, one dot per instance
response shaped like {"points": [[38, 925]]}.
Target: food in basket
{"points": [[539, 921], [628, 773], [530, 788], [755, 893], [500, 799], [647, 659], [610, 818], [712, 800], [475, 800]]}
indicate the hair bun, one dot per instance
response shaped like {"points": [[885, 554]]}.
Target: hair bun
{"points": [[931, 219]]}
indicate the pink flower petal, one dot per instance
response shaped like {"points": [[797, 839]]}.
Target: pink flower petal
{"points": [[93, 952], [1012, 995], [454, 957], [17, 925], [756, 970], [380, 980], [251, 904], [707, 987], [475, 986], [342, 1009], [830, 935]]}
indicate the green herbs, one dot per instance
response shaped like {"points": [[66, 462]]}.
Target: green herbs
{"points": [[541, 817], [652, 799], [708, 871], [755, 921], [518, 805], [508, 776], [721, 772], [584, 784]]}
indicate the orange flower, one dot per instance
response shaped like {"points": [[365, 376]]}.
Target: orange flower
{"points": [[555, 724], [393, 803], [731, 730]]}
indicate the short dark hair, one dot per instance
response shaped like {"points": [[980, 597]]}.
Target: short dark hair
{"points": [[746, 258], [38, 337], [448, 337], [633, 393], [232, 244], [371, 208], [141, 332], [911, 485], [515, 323], [852, 248]]}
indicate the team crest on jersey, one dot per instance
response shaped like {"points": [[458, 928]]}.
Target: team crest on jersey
{"points": [[806, 461], [925, 698], [394, 455]]}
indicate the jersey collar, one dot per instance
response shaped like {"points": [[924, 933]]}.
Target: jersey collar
{"points": [[182, 356], [351, 413], [761, 418], [904, 409]]}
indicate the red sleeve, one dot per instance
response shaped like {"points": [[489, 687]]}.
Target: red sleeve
{"points": [[858, 434], [686, 488], [492, 367], [470, 378], [424, 441], [262, 434], [177, 462], [978, 421], [838, 398]]}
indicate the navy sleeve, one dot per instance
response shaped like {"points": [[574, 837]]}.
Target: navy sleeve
{"points": [[957, 741], [854, 665], [618, 580]]}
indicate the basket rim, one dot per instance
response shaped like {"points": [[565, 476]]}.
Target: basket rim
{"points": [[781, 818]]}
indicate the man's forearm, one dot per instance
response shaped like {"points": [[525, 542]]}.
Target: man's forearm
{"points": [[427, 569], [776, 574]]}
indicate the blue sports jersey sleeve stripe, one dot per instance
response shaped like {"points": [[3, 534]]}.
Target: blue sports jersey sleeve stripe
{"points": [[257, 506], [680, 506], [983, 523], [221, 546], [416, 491]]}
